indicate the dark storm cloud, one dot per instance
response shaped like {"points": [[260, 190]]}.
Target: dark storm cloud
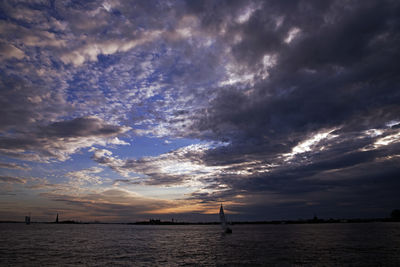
{"points": [[365, 189], [339, 72], [58, 140], [342, 67], [78, 127], [12, 180], [332, 185], [298, 100]]}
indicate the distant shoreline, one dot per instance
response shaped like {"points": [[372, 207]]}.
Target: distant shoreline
{"points": [[276, 222]]}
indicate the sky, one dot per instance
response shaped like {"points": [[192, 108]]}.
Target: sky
{"points": [[120, 111]]}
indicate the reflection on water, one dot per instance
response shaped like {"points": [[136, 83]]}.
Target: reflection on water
{"points": [[368, 244]]}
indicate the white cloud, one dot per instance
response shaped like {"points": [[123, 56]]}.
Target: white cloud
{"points": [[387, 140], [292, 34], [373, 132], [90, 51], [86, 177], [392, 123], [8, 51], [311, 143], [12, 165], [246, 13]]}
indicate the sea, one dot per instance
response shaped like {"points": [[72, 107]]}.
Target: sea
{"points": [[336, 244]]}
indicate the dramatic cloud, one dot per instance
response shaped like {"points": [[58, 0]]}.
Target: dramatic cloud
{"points": [[278, 109], [60, 139], [179, 167], [116, 204], [13, 180]]}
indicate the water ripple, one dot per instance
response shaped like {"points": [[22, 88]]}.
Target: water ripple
{"points": [[372, 244]]}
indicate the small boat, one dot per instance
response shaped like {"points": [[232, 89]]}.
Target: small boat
{"points": [[222, 219], [28, 219]]}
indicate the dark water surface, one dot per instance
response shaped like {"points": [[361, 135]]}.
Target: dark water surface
{"points": [[358, 244]]}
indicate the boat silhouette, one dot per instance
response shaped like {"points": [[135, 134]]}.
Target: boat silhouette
{"points": [[222, 219], [28, 219]]}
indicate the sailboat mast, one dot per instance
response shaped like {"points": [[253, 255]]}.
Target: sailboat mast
{"points": [[223, 221]]}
